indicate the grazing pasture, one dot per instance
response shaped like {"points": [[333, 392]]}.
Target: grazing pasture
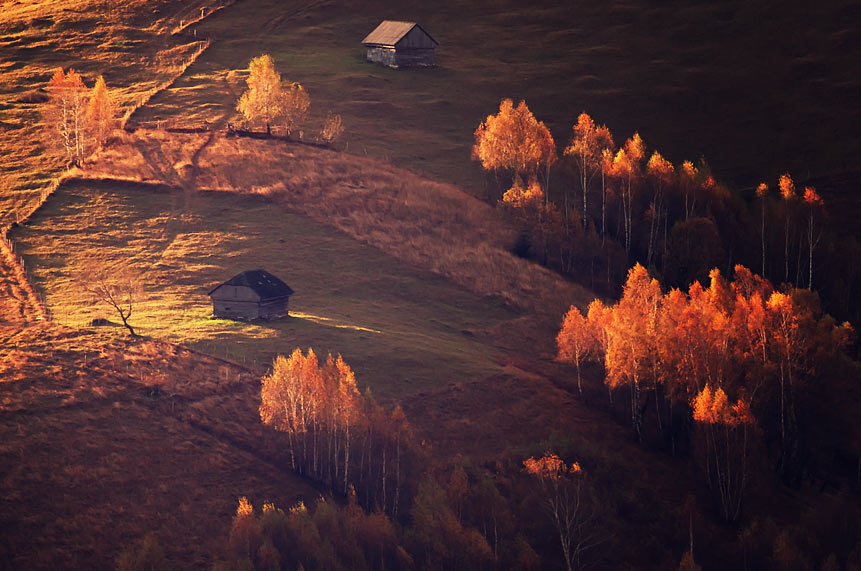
{"points": [[402, 329]]}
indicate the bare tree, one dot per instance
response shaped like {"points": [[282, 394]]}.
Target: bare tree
{"points": [[332, 129], [117, 286]]}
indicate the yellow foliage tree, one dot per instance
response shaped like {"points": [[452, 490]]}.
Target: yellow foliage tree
{"points": [[295, 104], [514, 140], [725, 428], [576, 340], [66, 113], [269, 101], [586, 149], [519, 196], [660, 171], [787, 191], [101, 112]]}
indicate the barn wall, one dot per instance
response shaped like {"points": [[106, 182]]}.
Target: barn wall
{"points": [[413, 57], [385, 56], [235, 309], [401, 57], [273, 309]]}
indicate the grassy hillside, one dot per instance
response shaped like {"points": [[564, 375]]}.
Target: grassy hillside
{"points": [[91, 462], [404, 330], [672, 71], [129, 43]]}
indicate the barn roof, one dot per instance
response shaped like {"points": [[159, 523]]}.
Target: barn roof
{"points": [[261, 282], [390, 32]]}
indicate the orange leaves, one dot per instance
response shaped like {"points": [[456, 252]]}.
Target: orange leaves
{"points": [[712, 407], [513, 139], [689, 171], [244, 509], [589, 141], [786, 186], [635, 148], [71, 80], [811, 197], [101, 112], [660, 168], [519, 197], [762, 190], [575, 337], [300, 392], [550, 467]]}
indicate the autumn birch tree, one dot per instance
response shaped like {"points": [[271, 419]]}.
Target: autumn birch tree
{"points": [[688, 178], [787, 191], [762, 195], [626, 168], [263, 101], [632, 337], [294, 106], [813, 202], [514, 140], [606, 170], [566, 501], [576, 341], [586, 148], [660, 171], [66, 112], [726, 428]]}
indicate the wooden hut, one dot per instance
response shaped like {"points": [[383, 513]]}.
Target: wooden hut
{"points": [[253, 294], [400, 44]]}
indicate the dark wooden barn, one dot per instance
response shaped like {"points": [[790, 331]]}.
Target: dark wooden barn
{"points": [[400, 44], [253, 294]]}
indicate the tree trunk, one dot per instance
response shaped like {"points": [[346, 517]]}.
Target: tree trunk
{"points": [[763, 238], [127, 326]]}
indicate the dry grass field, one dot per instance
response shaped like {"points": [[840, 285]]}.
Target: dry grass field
{"points": [[91, 462]]}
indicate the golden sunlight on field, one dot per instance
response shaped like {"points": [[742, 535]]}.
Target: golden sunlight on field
{"points": [[498, 286]]}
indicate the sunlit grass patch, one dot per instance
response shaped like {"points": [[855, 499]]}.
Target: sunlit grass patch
{"points": [[402, 329]]}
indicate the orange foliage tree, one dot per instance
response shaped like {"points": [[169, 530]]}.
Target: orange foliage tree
{"points": [[688, 174], [567, 503], [101, 112], [813, 202], [66, 112], [626, 169], [754, 344], [762, 195], [787, 191], [725, 428], [631, 344], [586, 148], [514, 140], [661, 172], [335, 434], [576, 341]]}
